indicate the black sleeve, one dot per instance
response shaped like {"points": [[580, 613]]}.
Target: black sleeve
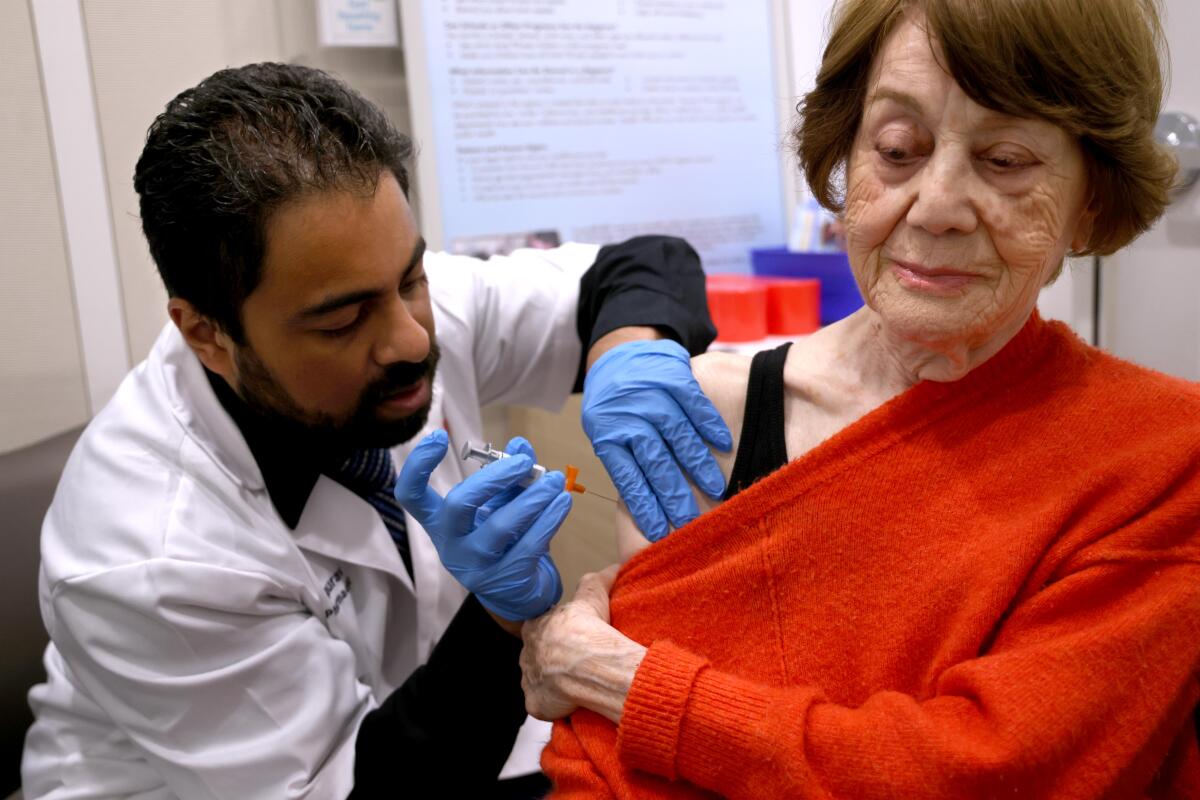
{"points": [[649, 280], [449, 729]]}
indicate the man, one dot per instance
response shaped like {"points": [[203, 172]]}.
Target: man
{"points": [[238, 607]]}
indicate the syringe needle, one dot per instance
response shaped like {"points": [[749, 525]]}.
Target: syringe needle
{"points": [[572, 472]]}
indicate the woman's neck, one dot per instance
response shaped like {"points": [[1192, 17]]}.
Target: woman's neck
{"points": [[884, 363]]}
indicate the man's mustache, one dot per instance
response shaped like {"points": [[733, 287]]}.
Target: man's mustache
{"points": [[401, 376]]}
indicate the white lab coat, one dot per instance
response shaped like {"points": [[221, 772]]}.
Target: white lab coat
{"points": [[202, 649]]}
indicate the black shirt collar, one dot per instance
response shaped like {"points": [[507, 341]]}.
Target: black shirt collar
{"points": [[290, 467]]}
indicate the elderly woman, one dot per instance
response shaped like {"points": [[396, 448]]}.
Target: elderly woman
{"points": [[973, 569]]}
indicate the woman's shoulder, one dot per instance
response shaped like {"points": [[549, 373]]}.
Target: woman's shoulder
{"points": [[716, 370], [1114, 404], [723, 378], [1113, 380]]}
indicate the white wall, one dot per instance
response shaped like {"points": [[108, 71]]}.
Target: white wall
{"points": [[143, 53], [80, 299], [42, 387], [808, 22], [1151, 290]]}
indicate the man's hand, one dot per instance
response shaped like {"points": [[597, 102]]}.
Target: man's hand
{"points": [[573, 658], [643, 409], [492, 534]]}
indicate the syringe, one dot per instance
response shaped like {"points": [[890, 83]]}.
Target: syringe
{"points": [[485, 454]]}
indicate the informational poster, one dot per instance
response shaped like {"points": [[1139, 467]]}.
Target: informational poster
{"points": [[558, 120], [357, 23]]}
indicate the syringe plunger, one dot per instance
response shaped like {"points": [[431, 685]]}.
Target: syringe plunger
{"points": [[485, 454]]}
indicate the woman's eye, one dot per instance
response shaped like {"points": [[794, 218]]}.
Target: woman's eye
{"points": [[1007, 162], [896, 155]]}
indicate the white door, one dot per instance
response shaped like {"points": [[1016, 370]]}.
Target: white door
{"points": [[1150, 291]]}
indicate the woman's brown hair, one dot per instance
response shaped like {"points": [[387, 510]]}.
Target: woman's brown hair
{"points": [[1089, 66]]}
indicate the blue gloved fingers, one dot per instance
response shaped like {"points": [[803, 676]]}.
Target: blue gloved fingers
{"points": [[665, 479], [536, 539], [533, 596], [550, 588], [703, 414], [648, 420], [519, 445], [412, 485], [689, 450], [463, 501], [486, 510], [631, 485], [551, 575], [522, 514], [496, 503], [522, 585]]}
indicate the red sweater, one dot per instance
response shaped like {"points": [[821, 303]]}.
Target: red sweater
{"points": [[988, 588]]}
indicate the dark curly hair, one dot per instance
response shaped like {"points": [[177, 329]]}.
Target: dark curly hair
{"points": [[228, 152]]}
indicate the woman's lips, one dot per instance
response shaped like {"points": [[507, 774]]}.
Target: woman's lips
{"points": [[932, 280], [408, 400]]}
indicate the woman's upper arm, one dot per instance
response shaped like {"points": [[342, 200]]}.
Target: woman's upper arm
{"points": [[722, 376]]}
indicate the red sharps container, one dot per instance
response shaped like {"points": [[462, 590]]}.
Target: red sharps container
{"points": [[738, 304], [793, 305]]}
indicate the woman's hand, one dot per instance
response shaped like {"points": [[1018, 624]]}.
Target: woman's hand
{"points": [[574, 659]]}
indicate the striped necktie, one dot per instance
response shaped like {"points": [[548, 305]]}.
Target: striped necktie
{"points": [[371, 475]]}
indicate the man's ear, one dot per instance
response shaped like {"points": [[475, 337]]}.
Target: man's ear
{"points": [[211, 345]]}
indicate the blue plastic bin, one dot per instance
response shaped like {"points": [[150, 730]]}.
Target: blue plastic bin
{"points": [[839, 292]]}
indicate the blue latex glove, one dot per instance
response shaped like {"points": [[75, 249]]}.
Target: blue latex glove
{"points": [[491, 534], [641, 403]]}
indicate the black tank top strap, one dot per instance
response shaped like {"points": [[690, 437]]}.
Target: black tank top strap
{"points": [[762, 448]]}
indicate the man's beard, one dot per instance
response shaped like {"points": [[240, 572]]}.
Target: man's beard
{"points": [[360, 429]]}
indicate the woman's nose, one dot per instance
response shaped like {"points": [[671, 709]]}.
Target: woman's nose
{"points": [[402, 336], [943, 202]]}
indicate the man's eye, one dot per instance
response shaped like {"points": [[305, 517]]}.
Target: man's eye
{"points": [[344, 330], [410, 286]]}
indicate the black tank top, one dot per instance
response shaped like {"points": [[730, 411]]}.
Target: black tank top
{"points": [[762, 448]]}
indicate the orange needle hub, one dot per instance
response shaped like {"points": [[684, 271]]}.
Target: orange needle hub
{"points": [[572, 472]]}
